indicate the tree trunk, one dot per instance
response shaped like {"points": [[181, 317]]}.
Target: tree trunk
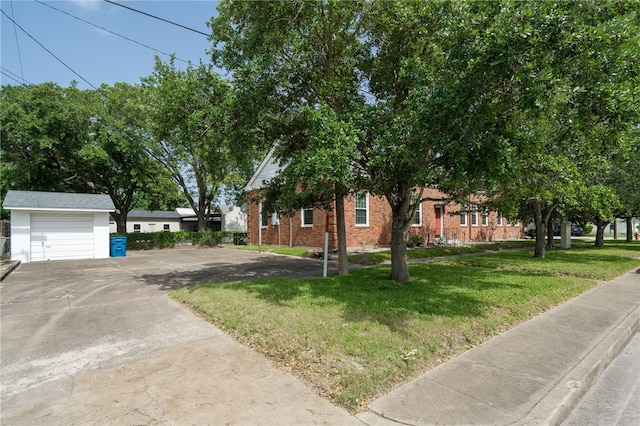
{"points": [[343, 263], [550, 233], [400, 203], [629, 229], [121, 222], [615, 229], [602, 225], [399, 264], [540, 229], [540, 239]]}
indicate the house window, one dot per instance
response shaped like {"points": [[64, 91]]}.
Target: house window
{"points": [[417, 214], [264, 218], [362, 209], [463, 215], [485, 216], [499, 219], [307, 217], [136, 227], [166, 227], [474, 215]]}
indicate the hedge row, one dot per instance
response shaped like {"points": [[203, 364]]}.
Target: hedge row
{"points": [[156, 240]]}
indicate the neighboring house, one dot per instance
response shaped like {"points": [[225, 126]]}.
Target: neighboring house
{"points": [[234, 218], [621, 225], [57, 226], [189, 220], [368, 219], [226, 218], [151, 221]]}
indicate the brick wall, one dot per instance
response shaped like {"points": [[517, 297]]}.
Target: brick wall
{"points": [[438, 219]]}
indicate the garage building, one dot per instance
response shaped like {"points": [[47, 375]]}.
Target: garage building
{"points": [[58, 226]]}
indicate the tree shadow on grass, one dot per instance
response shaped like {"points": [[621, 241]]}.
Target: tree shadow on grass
{"points": [[216, 273], [368, 294]]}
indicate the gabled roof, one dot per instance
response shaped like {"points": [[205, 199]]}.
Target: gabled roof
{"points": [[35, 200], [267, 170], [153, 214]]}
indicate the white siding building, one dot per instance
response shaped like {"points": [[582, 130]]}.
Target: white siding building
{"points": [[58, 226]]}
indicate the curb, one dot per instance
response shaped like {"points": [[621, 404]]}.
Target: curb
{"points": [[554, 408], [7, 270]]}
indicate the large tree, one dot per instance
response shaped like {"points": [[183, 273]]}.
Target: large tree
{"points": [[494, 96], [43, 128], [353, 67], [114, 156], [67, 140], [189, 116], [566, 78], [296, 62]]}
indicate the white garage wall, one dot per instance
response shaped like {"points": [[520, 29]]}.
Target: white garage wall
{"points": [[101, 235], [20, 235]]}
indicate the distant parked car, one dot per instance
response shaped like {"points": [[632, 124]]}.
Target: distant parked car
{"points": [[576, 230]]}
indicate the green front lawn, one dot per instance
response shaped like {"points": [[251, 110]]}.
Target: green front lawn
{"points": [[353, 338], [376, 258], [291, 251]]}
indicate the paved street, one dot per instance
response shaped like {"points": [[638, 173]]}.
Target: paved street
{"points": [[615, 398]]}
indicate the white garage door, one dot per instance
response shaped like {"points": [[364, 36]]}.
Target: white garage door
{"points": [[61, 236]]}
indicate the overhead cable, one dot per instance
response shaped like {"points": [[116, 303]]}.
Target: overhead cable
{"points": [[48, 51], [15, 32], [111, 32], [13, 76], [157, 17]]}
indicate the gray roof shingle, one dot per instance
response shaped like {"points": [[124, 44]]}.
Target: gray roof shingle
{"points": [[57, 200], [152, 214]]}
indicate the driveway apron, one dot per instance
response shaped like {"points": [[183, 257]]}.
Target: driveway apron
{"points": [[100, 342]]}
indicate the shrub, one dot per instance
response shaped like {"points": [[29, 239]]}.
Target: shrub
{"points": [[415, 240], [159, 240]]}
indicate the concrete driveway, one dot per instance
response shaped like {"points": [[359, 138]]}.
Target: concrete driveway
{"points": [[100, 342]]}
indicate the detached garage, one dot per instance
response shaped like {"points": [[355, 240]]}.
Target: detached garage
{"points": [[58, 226]]}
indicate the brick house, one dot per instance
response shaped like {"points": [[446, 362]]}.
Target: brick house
{"points": [[368, 220]]}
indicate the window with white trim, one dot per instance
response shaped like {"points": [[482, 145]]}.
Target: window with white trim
{"points": [[474, 214], [485, 216], [264, 218], [499, 219], [417, 214], [463, 215], [136, 227], [307, 216], [166, 227], [362, 209]]}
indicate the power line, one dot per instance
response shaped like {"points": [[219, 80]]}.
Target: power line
{"points": [[157, 17], [15, 32], [48, 51], [13, 76], [110, 32]]}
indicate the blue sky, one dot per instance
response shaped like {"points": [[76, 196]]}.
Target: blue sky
{"points": [[97, 55]]}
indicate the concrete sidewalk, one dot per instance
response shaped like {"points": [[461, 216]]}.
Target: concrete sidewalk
{"points": [[533, 374]]}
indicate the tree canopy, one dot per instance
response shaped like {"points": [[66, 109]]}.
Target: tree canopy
{"points": [[509, 98]]}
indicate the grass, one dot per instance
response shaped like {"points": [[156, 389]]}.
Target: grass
{"points": [[376, 258], [291, 251], [353, 338]]}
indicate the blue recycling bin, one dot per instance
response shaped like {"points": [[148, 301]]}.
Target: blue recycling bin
{"points": [[118, 246]]}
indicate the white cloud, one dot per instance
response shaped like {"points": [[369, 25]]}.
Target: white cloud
{"points": [[87, 4]]}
